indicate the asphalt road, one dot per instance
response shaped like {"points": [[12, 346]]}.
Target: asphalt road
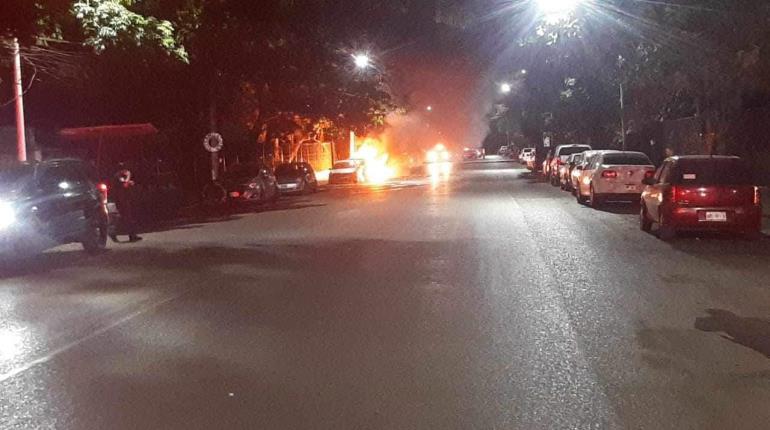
{"points": [[486, 301]]}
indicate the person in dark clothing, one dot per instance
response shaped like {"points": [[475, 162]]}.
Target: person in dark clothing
{"points": [[123, 190]]}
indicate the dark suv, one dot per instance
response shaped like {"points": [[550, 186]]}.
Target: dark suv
{"points": [[54, 202]]}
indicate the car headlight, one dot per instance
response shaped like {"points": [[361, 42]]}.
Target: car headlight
{"points": [[7, 215]]}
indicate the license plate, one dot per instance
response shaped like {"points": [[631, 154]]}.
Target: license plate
{"points": [[630, 187], [716, 216]]}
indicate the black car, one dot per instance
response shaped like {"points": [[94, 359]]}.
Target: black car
{"points": [[54, 202], [296, 178], [250, 183]]}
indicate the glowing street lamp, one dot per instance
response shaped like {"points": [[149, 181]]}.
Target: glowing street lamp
{"points": [[429, 108], [557, 10], [362, 61], [505, 88]]}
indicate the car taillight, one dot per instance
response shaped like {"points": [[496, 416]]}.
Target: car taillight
{"points": [[757, 196], [673, 195], [649, 174], [609, 174]]}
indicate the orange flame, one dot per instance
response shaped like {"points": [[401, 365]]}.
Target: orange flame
{"points": [[377, 169]]}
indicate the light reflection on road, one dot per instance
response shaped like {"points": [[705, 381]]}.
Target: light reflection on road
{"points": [[439, 172], [11, 342]]}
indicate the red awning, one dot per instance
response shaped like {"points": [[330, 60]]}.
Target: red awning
{"points": [[108, 132]]}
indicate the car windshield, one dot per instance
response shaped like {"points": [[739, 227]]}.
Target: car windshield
{"points": [[569, 150], [15, 178], [713, 172], [626, 159]]}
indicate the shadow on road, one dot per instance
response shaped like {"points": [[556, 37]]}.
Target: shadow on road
{"points": [[620, 208], [197, 216], [752, 333]]}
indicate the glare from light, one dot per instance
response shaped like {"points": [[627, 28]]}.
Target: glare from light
{"points": [[432, 156], [505, 88], [7, 215], [362, 61], [555, 11], [11, 343], [64, 185]]}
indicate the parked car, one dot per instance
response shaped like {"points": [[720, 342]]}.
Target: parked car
{"points": [[296, 178], [566, 169], [526, 155], [471, 154], [250, 183], [347, 172], [579, 172], [54, 202], [714, 193], [559, 157], [614, 175]]}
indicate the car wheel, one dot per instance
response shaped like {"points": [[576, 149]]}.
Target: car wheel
{"points": [[96, 238], [596, 200], [645, 224], [579, 197], [666, 232]]}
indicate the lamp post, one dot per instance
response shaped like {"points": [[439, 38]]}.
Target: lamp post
{"points": [[21, 139]]}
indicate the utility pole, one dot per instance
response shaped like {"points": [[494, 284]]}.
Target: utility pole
{"points": [[622, 117], [21, 139]]}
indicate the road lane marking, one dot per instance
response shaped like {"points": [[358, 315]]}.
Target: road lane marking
{"points": [[62, 349]]}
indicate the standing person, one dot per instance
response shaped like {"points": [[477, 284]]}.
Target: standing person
{"points": [[123, 190]]}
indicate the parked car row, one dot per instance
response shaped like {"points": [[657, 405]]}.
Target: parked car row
{"points": [[685, 193], [256, 183]]}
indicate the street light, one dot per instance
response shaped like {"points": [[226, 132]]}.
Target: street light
{"points": [[505, 88], [523, 71], [557, 10], [429, 108], [362, 61]]}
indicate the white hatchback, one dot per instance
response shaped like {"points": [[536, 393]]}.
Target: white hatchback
{"points": [[614, 175]]}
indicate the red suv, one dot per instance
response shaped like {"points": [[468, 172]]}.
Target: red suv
{"points": [[702, 193]]}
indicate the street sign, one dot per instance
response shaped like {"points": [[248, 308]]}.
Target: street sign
{"points": [[213, 142]]}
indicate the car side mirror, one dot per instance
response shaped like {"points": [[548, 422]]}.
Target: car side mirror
{"points": [[649, 181]]}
